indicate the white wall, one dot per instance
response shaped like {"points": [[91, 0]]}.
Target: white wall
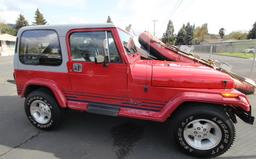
{"points": [[6, 50]]}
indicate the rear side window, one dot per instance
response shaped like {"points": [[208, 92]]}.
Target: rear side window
{"points": [[40, 47]]}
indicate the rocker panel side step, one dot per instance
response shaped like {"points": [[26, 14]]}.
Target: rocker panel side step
{"points": [[103, 109]]}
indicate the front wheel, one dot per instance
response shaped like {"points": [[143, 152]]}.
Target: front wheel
{"points": [[203, 131]]}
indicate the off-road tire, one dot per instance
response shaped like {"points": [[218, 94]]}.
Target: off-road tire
{"points": [[215, 114], [46, 97]]}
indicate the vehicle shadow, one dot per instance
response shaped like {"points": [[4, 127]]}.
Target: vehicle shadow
{"points": [[238, 157], [82, 135]]}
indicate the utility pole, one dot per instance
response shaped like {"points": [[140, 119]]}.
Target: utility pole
{"points": [[154, 22]]}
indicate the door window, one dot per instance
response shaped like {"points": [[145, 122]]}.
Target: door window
{"points": [[85, 46]]}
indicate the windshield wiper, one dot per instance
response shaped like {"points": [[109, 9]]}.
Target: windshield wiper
{"points": [[127, 49], [130, 51]]}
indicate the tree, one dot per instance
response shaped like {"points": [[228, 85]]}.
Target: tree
{"points": [[5, 28], [189, 29], [252, 32], [21, 22], [222, 33], [237, 35], [39, 18], [200, 33], [109, 20], [180, 39], [168, 36]]}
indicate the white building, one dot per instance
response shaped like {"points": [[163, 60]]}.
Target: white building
{"points": [[7, 44]]}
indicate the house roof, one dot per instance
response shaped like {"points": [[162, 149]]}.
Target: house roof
{"points": [[7, 37]]}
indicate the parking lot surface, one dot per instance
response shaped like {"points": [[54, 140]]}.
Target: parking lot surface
{"points": [[88, 136]]}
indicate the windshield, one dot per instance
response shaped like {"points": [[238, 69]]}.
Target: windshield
{"points": [[132, 45], [128, 42]]}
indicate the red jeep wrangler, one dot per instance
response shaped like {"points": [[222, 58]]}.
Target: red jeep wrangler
{"points": [[101, 69]]}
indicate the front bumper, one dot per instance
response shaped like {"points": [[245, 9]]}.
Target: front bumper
{"points": [[243, 115]]}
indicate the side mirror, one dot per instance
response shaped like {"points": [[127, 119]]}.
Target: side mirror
{"points": [[99, 59]]}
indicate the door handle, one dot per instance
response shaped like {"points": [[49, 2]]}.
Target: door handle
{"points": [[77, 67]]}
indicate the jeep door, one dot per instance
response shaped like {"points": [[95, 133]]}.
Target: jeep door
{"points": [[90, 81]]}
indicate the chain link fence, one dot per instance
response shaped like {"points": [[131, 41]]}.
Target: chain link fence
{"points": [[239, 56]]}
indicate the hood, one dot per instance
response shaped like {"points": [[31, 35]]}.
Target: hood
{"points": [[170, 53], [187, 75]]}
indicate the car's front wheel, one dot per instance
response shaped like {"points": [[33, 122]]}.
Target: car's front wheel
{"points": [[203, 131]]}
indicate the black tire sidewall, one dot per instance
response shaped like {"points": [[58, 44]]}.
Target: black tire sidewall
{"points": [[226, 127], [50, 103]]}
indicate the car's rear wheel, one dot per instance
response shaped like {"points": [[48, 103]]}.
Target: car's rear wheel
{"points": [[42, 109], [203, 131]]}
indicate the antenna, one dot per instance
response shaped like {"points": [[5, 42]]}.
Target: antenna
{"points": [[154, 22]]}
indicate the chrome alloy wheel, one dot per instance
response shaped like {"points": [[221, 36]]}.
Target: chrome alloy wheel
{"points": [[40, 111], [202, 134]]}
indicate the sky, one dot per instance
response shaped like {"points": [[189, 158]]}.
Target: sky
{"points": [[233, 15]]}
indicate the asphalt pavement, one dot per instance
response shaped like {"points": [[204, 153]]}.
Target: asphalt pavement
{"points": [[89, 136]]}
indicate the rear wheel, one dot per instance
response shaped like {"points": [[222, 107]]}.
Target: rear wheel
{"points": [[42, 109], [203, 131]]}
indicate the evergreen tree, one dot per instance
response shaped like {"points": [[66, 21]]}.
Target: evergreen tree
{"points": [[109, 20], [180, 39], [39, 18], [252, 32], [21, 22], [168, 36], [164, 38], [189, 29], [222, 33]]}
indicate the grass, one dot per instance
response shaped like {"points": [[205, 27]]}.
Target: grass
{"points": [[237, 54]]}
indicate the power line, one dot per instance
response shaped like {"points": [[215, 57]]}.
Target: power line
{"points": [[177, 6]]}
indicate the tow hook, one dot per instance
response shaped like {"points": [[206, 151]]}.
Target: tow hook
{"points": [[243, 115]]}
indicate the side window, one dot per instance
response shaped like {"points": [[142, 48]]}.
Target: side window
{"points": [[85, 46], [40, 47], [114, 55]]}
